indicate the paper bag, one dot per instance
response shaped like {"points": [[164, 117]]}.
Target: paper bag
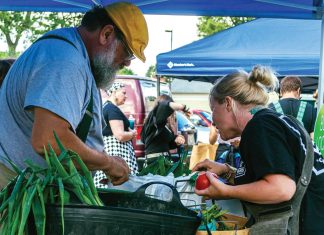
{"points": [[202, 151]]}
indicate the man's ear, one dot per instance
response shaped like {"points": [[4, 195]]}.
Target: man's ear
{"points": [[106, 34]]}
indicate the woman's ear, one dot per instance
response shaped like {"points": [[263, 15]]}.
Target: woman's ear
{"points": [[228, 103]]}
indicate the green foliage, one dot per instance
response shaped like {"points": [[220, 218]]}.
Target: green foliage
{"points": [[14, 26], [163, 166], [151, 72], [35, 186], [5, 55], [126, 71], [208, 25]]}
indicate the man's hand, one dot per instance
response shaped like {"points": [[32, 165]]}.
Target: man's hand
{"points": [[117, 170]]}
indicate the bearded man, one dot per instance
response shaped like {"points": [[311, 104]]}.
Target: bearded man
{"points": [[53, 86]]}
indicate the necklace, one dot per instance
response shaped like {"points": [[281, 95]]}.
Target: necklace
{"points": [[255, 109]]}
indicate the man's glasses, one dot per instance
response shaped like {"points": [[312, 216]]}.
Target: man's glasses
{"points": [[130, 55]]}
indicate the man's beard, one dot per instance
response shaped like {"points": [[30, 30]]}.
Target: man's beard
{"points": [[103, 70]]}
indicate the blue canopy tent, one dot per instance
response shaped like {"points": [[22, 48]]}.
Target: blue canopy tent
{"points": [[294, 9], [289, 46], [303, 9]]}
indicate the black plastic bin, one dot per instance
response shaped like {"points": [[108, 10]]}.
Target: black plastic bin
{"points": [[127, 214]]}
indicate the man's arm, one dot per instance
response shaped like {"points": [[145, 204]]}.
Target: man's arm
{"points": [[46, 123]]}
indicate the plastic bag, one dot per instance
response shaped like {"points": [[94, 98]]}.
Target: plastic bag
{"points": [[187, 192], [158, 191]]}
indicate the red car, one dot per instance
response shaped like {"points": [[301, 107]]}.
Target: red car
{"points": [[201, 117]]}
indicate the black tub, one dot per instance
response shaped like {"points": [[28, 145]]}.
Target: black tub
{"points": [[126, 214]]}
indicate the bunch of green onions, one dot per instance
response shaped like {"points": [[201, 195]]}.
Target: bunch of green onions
{"points": [[163, 166], [34, 187]]}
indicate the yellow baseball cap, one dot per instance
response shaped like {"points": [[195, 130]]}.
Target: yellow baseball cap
{"points": [[131, 22]]}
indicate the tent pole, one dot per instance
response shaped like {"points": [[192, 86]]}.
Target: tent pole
{"points": [[321, 72], [158, 86]]}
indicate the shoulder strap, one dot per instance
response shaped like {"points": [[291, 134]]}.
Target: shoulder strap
{"points": [[52, 36], [83, 128], [304, 179], [278, 107], [301, 111]]}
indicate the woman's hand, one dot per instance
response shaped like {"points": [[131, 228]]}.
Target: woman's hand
{"points": [[134, 133], [216, 190], [208, 165], [180, 139]]}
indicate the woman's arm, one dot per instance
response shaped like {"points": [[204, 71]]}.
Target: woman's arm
{"points": [[274, 188], [177, 106], [271, 189], [117, 128]]}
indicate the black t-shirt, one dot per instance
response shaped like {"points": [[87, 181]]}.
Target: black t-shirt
{"points": [[290, 106], [272, 144], [156, 135], [112, 112]]}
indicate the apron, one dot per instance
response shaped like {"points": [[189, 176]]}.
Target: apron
{"points": [[283, 218]]}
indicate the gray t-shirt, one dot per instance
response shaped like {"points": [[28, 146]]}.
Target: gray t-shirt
{"points": [[54, 75]]}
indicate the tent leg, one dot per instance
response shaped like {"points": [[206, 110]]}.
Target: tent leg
{"points": [[158, 86], [321, 72]]}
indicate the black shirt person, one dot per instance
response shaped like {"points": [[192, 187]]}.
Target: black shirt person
{"points": [[290, 103], [159, 132], [273, 153]]}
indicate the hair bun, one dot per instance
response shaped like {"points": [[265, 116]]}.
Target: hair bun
{"points": [[262, 75]]}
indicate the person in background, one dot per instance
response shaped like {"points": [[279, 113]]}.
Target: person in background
{"points": [[273, 156], [53, 86], [290, 103], [231, 156], [117, 134], [223, 146], [213, 134], [315, 96], [227, 151], [159, 133], [5, 65]]}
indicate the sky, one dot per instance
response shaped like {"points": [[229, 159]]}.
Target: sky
{"points": [[184, 31]]}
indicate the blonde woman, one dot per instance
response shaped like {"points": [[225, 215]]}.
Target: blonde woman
{"points": [[273, 158]]}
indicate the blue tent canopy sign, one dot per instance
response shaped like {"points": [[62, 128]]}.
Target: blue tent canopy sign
{"points": [[289, 46]]}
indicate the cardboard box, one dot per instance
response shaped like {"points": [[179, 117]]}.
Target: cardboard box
{"points": [[231, 232], [231, 221]]}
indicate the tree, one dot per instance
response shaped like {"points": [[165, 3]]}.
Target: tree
{"points": [[126, 71], [208, 25], [151, 71], [15, 26]]}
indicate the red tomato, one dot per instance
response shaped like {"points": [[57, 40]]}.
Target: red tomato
{"points": [[202, 182]]}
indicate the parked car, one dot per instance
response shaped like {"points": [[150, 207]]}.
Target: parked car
{"points": [[201, 117], [186, 128]]}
